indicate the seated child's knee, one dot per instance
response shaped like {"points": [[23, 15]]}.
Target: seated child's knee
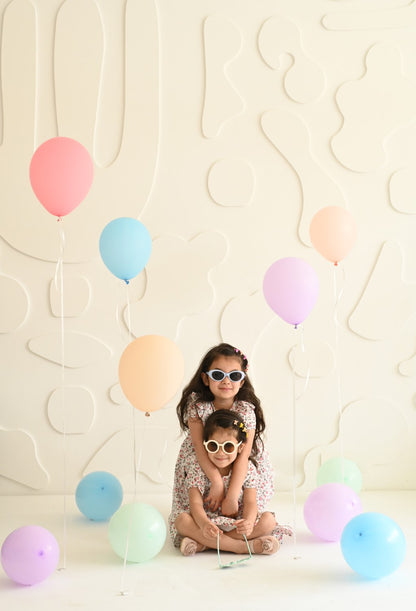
{"points": [[269, 519], [182, 520]]}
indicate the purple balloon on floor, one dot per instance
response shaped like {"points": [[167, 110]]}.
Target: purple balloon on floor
{"points": [[29, 555], [329, 508]]}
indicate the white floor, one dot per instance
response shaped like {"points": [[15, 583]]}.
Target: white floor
{"points": [[93, 577]]}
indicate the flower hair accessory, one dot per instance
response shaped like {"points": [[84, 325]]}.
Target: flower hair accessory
{"points": [[241, 426], [243, 356]]}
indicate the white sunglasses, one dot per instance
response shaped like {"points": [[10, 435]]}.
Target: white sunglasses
{"points": [[218, 375], [228, 447]]}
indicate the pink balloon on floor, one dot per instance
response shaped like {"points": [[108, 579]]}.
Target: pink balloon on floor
{"points": [[61, 173], [329, 508], [333, 232], [29, 555]]}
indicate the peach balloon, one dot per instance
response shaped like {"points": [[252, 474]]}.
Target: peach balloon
{"points": [[333, 232], [150, 371]]}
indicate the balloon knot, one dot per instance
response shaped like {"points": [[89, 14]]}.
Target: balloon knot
{"points": [[126, 281], [336, 263], [296, 326], [147, 414]]}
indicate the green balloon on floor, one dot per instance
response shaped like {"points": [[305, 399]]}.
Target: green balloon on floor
{"points": [[137, 532], [341, 471]]}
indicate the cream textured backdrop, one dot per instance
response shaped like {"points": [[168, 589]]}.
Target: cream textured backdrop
{"points": [[223, 126]]}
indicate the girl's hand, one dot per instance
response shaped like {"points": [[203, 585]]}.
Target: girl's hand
{"points": [[244, 527], [209, 530], [215, 495], [229, 507]]}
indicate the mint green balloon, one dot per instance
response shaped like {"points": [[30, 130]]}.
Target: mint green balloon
{"points": [[342, 471], [142, 527]]}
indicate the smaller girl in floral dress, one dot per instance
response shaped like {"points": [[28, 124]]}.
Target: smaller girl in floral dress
{"points": [[224, 438]]}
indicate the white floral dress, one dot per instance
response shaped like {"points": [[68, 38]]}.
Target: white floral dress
{"points": [[187, 462], [196, 478]]}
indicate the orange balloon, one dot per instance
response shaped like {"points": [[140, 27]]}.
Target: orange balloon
{"points": [[150, 371], [333, 232]]}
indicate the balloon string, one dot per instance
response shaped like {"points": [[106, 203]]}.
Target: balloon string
{"points": [[123, 301], [337, 298], [128, 312], [293, 360], [59, 285], [294, 436], [136, 460], [118, 308], [134, 411], [294, 459], [58, 280], [159, 466], [137, 465]]}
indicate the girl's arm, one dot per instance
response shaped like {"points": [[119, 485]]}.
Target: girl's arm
{"points": [[229, 506], [216, 492], [246, 524], [196, 503]]}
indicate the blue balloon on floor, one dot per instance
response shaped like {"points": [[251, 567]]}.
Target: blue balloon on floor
{"points": [[98, 495], [373, 545]]}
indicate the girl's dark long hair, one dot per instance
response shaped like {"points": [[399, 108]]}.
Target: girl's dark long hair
{"points": [[245, 393]]}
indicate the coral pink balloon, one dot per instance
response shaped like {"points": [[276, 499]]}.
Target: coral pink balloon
{"points": [[291, 288], [150, 371], [61, 173], [333, 232]]}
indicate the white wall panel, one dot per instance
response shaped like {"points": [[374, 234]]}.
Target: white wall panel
{"points": [[224, 127]]}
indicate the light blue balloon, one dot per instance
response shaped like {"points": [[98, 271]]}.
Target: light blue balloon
{"points": [[373, 545], [99, 495], [125, 247], [137, 531]]}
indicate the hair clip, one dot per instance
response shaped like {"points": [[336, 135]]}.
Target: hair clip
{"points": [[243, 356]]}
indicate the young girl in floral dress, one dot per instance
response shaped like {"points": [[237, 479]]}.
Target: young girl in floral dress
{"points": [[224, 438]]}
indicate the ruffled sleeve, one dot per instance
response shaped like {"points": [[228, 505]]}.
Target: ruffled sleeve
{"points": [[251, 480], [197, 409], [191, 412], [196, 478]]}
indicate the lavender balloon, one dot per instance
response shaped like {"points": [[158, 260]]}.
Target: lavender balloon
{"points": [[291, 288], [29, 555], [329, 508]]}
